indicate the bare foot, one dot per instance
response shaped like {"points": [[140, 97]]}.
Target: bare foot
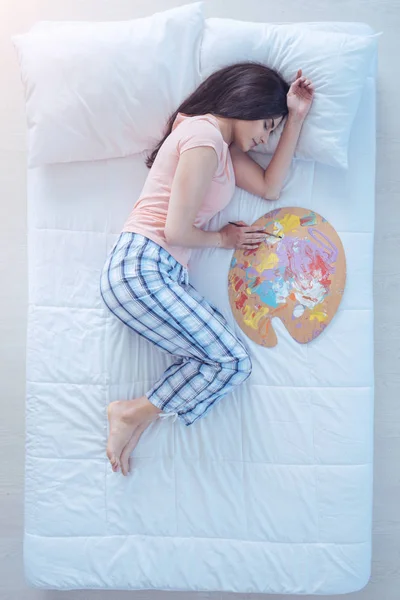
{"points": [[130, 446], [122, 428]]}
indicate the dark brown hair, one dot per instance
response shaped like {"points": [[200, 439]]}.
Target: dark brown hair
{"points": [[247, 90]]}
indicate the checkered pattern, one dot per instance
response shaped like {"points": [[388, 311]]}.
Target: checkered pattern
{"points": [[148, 290]]}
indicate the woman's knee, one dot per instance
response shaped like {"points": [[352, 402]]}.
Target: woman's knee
{"points": [[246, 366], [241, 364]]}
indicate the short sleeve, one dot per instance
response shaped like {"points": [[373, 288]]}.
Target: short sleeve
{"points": [[201, 133]]}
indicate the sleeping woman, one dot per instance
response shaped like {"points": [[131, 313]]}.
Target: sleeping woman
{"points": [[145, 281]]}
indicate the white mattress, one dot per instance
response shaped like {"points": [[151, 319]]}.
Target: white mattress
{"points": [[272, 491]]}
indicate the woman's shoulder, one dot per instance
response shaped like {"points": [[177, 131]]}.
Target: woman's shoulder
{"points": [[201, 123]]}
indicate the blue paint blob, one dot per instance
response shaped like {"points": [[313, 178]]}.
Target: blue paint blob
{"points": [[266, 293]]}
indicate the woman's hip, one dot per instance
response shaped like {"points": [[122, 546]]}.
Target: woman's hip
{"points": [[138, 267]]}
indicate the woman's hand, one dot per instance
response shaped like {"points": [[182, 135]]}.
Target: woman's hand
{"points": [[300, 96], [242, 235]]}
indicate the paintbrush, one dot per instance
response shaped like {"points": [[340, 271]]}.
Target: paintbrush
{"points": [[277, 236]]}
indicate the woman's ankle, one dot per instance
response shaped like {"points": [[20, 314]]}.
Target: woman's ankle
{"points": [[145, 408]]}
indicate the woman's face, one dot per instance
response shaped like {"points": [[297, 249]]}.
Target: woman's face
{"points": [[247, 134]]}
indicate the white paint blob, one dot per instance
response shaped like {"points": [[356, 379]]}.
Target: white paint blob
{"points": [[298, 310]]}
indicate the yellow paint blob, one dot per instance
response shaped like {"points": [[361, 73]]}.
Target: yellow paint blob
{"points": [[289, 223], [269, 261], [251, 317], [318, 314]]}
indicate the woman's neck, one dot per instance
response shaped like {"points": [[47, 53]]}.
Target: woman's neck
{"points": [[226, 128]]}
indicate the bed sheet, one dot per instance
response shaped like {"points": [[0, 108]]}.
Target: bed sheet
{"points": [[272, 491]]}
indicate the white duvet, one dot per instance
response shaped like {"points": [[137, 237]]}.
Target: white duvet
{"points": [[269, 493]]}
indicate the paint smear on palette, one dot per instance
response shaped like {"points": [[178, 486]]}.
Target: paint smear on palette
{"points": [[298, 277]]}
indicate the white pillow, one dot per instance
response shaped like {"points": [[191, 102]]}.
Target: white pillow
{"points": [[98, 90], [336, 62]]}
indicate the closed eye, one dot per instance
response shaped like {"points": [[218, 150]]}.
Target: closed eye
{"points": [[272, 125]]}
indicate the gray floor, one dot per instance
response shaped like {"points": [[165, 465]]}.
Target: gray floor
{"points": [[17, 16]]}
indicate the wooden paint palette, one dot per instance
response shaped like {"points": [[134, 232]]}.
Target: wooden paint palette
{"points": [[299, 277]]}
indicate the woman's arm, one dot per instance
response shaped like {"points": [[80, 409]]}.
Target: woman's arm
{"points": [[277, 169], [268, 182], [193, 176]]}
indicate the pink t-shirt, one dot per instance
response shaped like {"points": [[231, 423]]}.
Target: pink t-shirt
{"points": [[149, 214]]}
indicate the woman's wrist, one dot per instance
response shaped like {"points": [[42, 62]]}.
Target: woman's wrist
{"points": [[295, 118]]}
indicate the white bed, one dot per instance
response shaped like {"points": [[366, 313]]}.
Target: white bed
{"points": [[269, 493]]}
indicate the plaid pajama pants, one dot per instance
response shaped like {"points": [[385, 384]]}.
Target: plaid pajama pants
{"points": [[149, 291]]}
